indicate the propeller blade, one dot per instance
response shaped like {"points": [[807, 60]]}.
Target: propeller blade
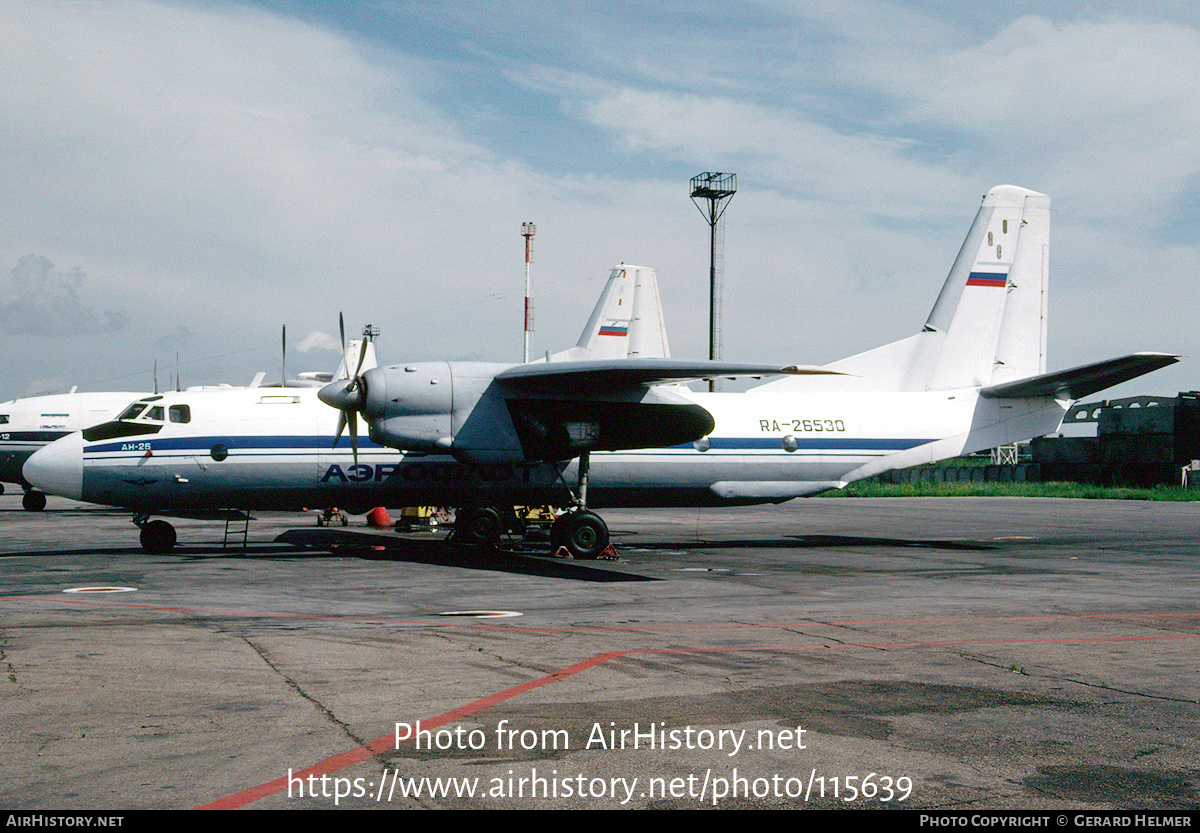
{"points": [[341, 427], [348, 398], [362, 355], [283, 362]]}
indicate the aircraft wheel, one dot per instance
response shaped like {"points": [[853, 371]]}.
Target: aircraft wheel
{"points": [[479, 525], [584, 534], [158, 537], [34, 501], [1, 488]]}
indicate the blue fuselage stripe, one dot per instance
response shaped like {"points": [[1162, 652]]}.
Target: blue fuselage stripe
{"points": [[261, 445], [203, 445]]}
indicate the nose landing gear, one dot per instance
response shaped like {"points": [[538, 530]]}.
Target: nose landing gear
{"points": [[158, 537]]}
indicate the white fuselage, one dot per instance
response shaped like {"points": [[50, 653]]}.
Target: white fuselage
{"points": [[273, 448]]}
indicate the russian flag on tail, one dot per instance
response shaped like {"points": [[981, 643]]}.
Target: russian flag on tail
{"points": [[987, 279]]}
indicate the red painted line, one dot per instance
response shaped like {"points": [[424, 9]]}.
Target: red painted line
{"points": [[345, 759], [379, 745]]}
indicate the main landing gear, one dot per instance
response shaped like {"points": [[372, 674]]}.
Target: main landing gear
{"points": [[583, 533]]}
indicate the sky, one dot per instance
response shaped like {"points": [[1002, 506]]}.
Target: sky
{"points": [[181, 180]]}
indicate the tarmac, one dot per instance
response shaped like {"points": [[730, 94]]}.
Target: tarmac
{"points": [[915, 653]]}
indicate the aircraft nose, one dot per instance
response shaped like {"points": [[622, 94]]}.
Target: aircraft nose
{"points": [[57, 468]]}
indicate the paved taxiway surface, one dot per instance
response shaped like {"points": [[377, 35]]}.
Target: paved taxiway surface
{"points": [[963, 653]]}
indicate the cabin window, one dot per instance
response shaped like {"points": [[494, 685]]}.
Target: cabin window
{"points": [[180, 413], [3, 419]]}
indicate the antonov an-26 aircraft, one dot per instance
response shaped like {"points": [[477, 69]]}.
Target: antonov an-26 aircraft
{"points": [[486, 437], [198, 452]]}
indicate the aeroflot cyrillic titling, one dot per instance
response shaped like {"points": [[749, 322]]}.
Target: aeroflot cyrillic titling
{"points": [[431, 472]]}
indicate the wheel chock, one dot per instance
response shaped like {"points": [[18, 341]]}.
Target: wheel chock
{"points": [[609, 553]]}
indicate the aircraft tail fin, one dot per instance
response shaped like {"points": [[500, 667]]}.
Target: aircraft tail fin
{"points": [[350, 360], [988, 325], [627, 321]]}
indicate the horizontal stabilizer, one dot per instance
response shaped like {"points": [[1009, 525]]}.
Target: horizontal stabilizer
{"points": [[1081, 381], [563, 377]]}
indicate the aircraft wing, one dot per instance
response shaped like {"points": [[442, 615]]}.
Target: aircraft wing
{"points": [[586, 376], [1079, 382], [561, 409]]}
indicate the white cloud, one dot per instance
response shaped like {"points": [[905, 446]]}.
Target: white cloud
{"points": [[317, 340]]}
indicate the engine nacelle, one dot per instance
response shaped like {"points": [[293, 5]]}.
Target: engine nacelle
{"points": [[462, 409], [441, 407]]}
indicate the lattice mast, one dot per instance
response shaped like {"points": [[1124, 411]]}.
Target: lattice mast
{"points": [[715, 189], [528, 230]]}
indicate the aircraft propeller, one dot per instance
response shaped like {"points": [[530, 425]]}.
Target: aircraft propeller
{"points": [[351, 399]]}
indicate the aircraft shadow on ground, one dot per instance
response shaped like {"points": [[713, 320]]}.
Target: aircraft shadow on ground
{"points": [[309, 543], [376, 547]]}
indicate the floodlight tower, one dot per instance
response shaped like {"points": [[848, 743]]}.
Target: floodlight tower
{"points": [[528, 230], [716, 189]]}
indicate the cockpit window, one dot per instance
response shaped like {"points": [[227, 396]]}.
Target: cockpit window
{"points": [[116, 430], [3, 419], [180, 413], [132, 411], [155, 413]]}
